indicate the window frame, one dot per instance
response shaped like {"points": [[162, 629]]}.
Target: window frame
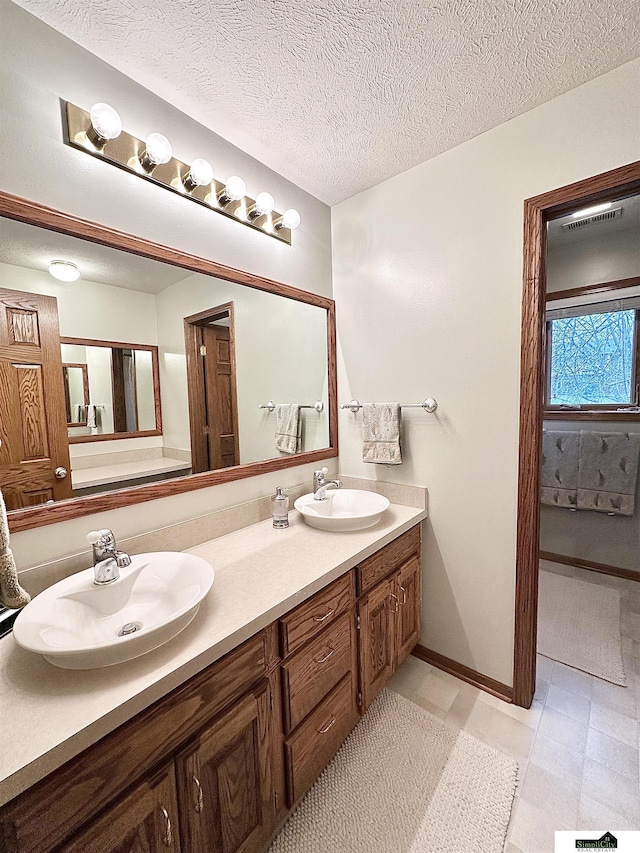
{"points": [[592, 411]]}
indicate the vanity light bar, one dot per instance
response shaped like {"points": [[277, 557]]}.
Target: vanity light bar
{"points": [[132, 154]]}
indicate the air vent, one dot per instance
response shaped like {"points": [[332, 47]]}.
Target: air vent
{"points": [[590, 220]]}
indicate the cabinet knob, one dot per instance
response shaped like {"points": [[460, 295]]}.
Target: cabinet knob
{"points": [[199, 794], [395, 602], [60, 473], [168, 831], [404, 595]]}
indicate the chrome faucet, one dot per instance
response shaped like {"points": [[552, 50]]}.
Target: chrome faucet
{"points": [[320, 485], [107, 560]]}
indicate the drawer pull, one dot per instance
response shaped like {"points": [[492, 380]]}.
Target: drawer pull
{"points": [[404, 595], [168, 832], [395, 600], [200, 796], [326, 657], [329, 725], [326, 615]]}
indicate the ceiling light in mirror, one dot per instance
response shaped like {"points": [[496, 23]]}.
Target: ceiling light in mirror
{"points": [[158, 151], [106, 124], [64, 271], [200, 174]]}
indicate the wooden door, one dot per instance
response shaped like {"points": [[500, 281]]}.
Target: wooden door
{"points": [[377, 613], [225, 785], [211, 385], [220, 386], [408, 592], [143, 821], [33, 423]]}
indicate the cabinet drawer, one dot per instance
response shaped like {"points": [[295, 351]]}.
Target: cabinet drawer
{"points": [[42, 817], [316, 741], [307, 620], [375, 568], [312, 672]]}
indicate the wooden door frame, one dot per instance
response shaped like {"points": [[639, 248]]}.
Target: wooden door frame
{"points": [[195, 369], [537, 212]]}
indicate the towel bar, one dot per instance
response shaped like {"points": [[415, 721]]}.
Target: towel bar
{"points": [[429, 405], [318, 406]]}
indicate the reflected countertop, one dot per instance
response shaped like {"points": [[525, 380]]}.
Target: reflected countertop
{"points": [[49, 715]]}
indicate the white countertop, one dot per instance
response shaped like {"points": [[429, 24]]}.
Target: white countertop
{"points": [[49, 715], [82, 478]]}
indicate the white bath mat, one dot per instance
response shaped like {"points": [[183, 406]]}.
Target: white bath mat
{"points": [[405, 782], [579, 624]]}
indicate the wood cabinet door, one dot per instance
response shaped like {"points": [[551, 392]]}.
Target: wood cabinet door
{"points": [[143, 821], [33, 422], [408, 592], [225, 785], [377, 639]]}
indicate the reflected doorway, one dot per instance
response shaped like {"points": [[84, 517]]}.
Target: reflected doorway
{"points": [[211, 382]]}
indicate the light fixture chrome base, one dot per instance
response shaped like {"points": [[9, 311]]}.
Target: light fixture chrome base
{"points": [[127, 152]]}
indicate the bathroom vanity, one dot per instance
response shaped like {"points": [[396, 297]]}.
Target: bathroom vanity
{"points": [[218, 734]]}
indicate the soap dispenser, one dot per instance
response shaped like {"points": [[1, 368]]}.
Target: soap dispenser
{"points": [[280, 508]]}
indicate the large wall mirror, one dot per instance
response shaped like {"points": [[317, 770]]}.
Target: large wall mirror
{"points": [[150, 374]]}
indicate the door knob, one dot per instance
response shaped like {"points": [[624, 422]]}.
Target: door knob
{"points": [[60, 473]]}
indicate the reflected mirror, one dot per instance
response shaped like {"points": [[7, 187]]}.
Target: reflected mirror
{"points": [[111, 390], [91, 364]]}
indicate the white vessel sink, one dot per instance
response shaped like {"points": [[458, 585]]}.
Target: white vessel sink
{"points": [[344, 509], [76, 624]]}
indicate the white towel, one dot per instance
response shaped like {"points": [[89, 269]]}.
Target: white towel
{"points": [[381, 433], [92, 417], [608, 472], [560, 452], [287, 427], [11, 593]]}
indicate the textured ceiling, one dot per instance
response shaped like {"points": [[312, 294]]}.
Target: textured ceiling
{"points": [[338, 95]]}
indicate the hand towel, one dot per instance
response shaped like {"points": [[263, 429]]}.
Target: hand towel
{"points": [[92, 417], [381, 433], [608, 472], [11, 593], [560, 452], [287, 427]]}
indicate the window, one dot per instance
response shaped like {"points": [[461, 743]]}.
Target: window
{"points": [[592, 357]]}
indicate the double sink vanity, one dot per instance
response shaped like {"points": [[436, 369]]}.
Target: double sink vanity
{"points": [[210, 740]]}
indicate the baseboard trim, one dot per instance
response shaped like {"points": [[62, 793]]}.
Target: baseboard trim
{"points": [[603, 568], [471, 676]]}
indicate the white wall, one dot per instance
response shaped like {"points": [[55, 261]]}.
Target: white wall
{"points": [[39, 67], [595, 260], [428, 282], [281, 355]]}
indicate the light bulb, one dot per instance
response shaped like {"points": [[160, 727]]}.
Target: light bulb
{"points": [[264, 204], [234, 190], [64, 271], [290, 219], [106, 124], [199, 175], [158, 151]]}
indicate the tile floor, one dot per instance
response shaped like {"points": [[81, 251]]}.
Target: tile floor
{"points": [[576, 747]]}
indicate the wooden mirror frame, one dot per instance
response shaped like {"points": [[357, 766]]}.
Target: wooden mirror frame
{"points": [[32, 213], [537, 212], [155, 373]]}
